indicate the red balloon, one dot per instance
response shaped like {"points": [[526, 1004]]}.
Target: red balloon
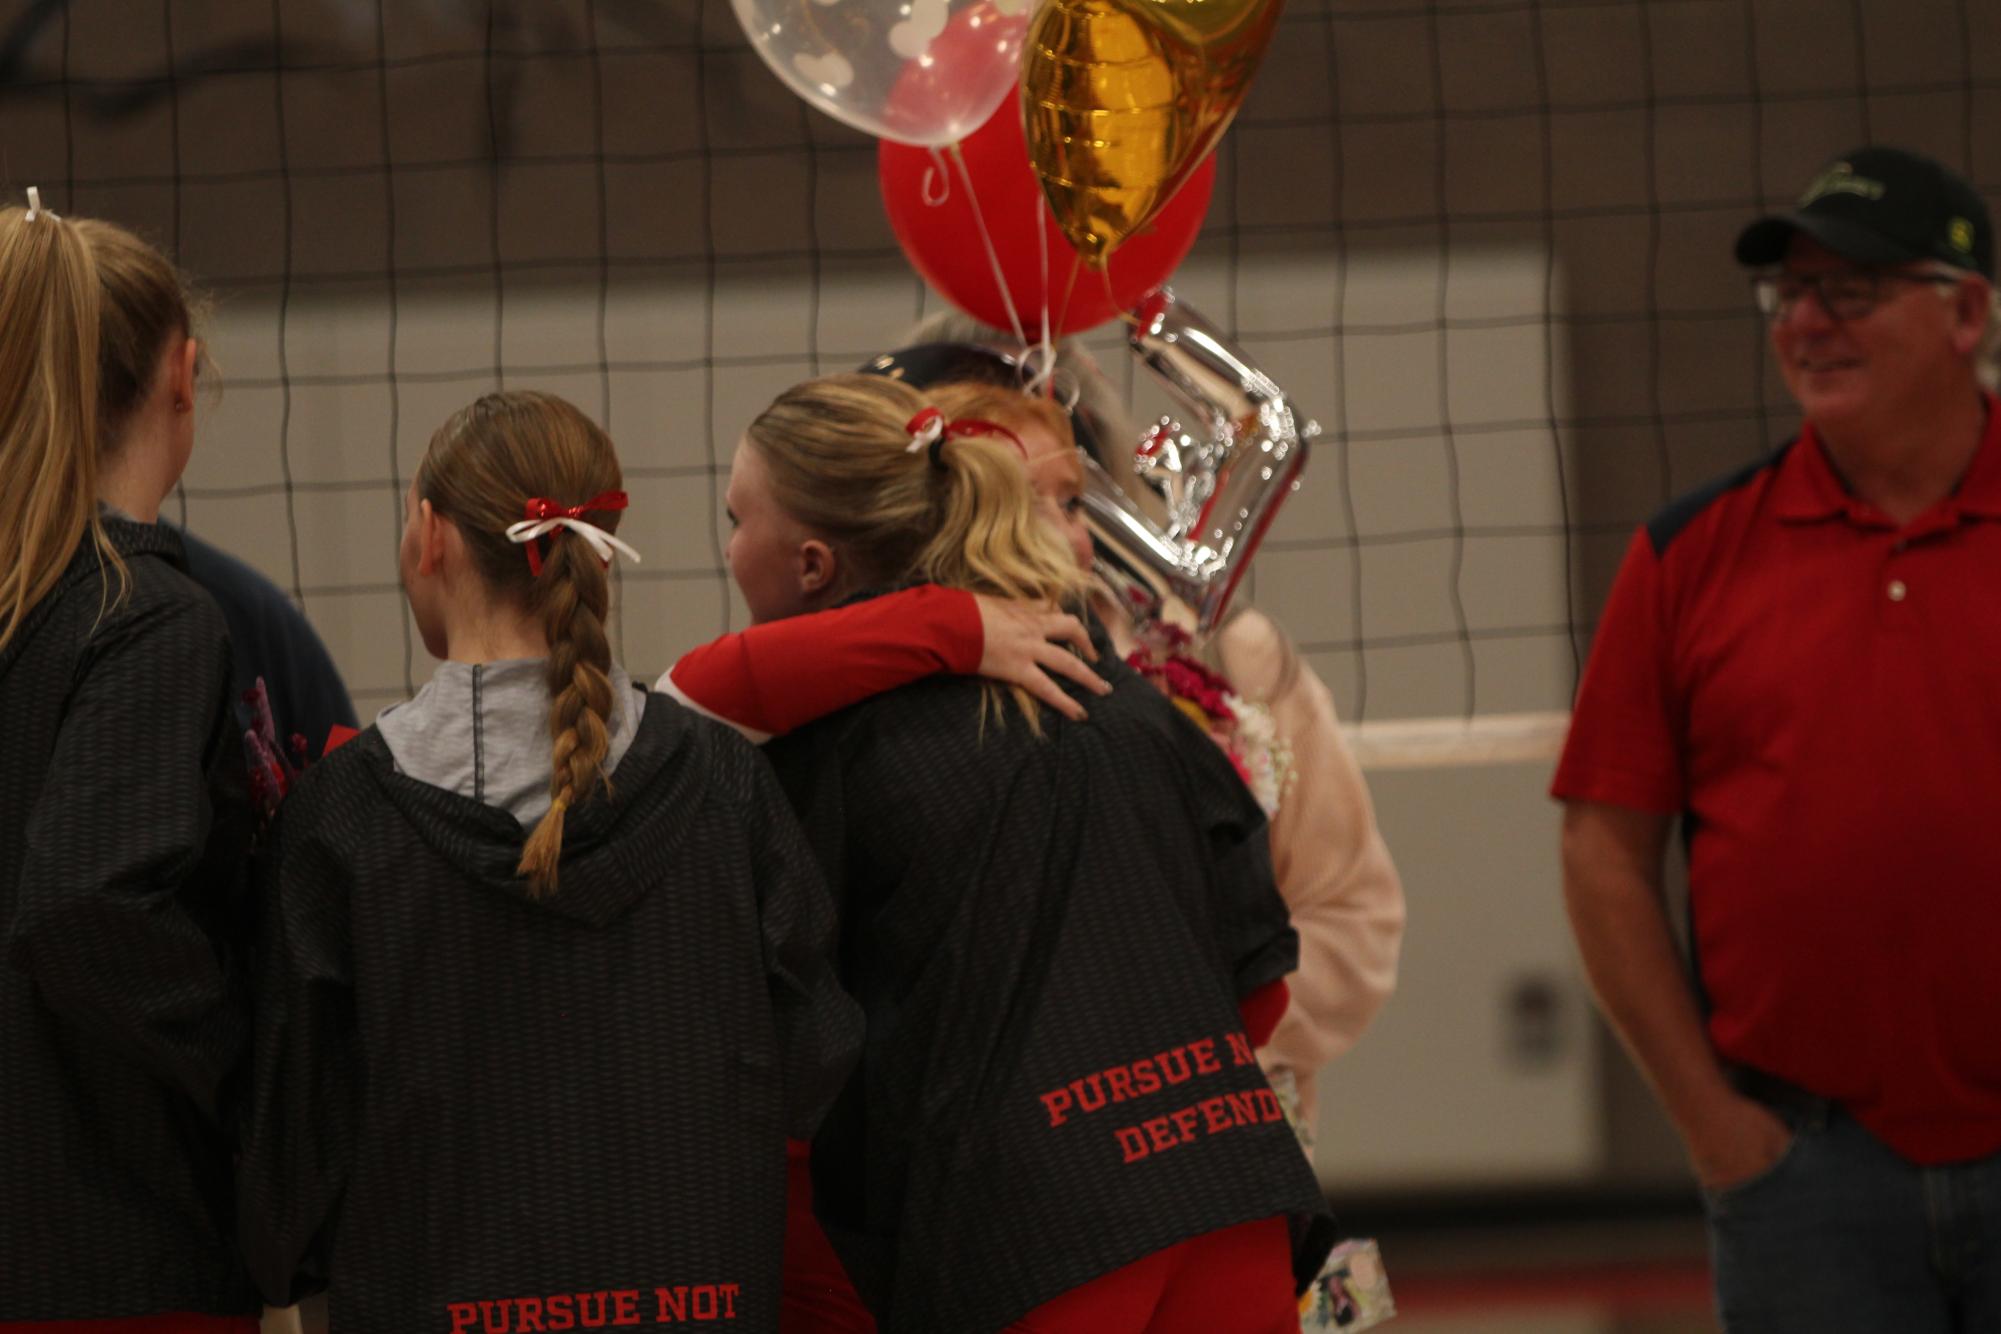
{"points": [[942, 239]]}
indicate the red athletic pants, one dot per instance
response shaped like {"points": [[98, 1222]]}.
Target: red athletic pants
{"points": [[1234, 1281], [173, 1323]]}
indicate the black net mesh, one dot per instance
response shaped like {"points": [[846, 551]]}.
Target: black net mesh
{"points": [[1486, 245]]}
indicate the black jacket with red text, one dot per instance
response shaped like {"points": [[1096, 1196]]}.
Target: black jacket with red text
{"points": [[473, 1109], [122, 829], [1049, 937]]}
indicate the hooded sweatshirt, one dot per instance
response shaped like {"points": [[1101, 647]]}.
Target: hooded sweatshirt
{"points": [[482, 730], [477, 1109], [1050, 937]]}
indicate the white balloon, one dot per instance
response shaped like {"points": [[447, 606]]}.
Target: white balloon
{"points": [[912, 37], [829, 74], [923, 72]]}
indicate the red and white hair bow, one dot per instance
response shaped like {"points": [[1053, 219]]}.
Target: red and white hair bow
{"points": [[547, 518], [931, 428]]}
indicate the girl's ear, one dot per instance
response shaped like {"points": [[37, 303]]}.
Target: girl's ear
{"points": [[819, 569], [181, 373], [432, 530]]}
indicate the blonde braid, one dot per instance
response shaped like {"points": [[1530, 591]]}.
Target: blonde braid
{"points": [[575, 596]]}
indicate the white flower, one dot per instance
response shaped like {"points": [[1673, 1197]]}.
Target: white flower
{"points": [[1266, 759]]}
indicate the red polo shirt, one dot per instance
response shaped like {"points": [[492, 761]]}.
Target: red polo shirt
{"points": [[1819, 692]]}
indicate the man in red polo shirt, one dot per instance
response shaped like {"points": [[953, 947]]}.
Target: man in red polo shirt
{"points": [[1802, 661]]}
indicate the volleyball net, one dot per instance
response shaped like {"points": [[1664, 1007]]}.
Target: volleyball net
{"points": [[1485, 244]]}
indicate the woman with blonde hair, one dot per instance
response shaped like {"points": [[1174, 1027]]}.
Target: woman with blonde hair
{"points": [[1331, 863], [120, 830], [545, 982], [1050, 926], [1248, 688], [1333, 866]]}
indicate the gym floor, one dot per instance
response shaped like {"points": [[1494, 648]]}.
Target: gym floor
{"points": [[1644, 1273], [1640, 1271]]}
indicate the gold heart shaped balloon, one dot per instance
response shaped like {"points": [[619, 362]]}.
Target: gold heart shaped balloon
{"points": [[1122, 98]]}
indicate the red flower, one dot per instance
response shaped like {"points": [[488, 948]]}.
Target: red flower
{"points": [[1182, 678]]}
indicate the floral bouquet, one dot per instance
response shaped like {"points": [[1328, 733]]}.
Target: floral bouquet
{"points": [[1351, 1292], [1165, 655]]}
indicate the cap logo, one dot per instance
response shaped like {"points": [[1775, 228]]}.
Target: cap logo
{"points": [[1959, 234], [1840, 179]]}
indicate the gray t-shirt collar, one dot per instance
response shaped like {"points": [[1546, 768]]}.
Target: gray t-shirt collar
{"points": [[482, 730]]}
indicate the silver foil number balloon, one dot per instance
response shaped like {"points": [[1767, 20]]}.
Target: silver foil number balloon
{"points": [[1222, 476]]}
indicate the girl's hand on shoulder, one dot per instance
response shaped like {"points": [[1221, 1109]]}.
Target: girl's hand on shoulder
{"points": [[1028, 644]]}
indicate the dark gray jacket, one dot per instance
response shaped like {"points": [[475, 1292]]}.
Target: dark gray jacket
{"points": [[473, 1103], [1049, 938], [122, 828]]}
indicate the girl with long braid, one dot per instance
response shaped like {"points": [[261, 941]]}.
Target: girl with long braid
{"points": [[121, 833], [545, 978]]}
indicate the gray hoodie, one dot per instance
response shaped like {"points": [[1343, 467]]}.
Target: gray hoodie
{"points": [[482, 730]]}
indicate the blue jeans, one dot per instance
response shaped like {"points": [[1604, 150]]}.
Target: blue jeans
{"points": [[1843, 1236]]}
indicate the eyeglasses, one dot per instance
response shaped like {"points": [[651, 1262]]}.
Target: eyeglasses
{"points": [[1845, 294]]}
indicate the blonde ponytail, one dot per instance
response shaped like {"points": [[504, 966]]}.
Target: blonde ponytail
{"points": [[49, 314], [960, 513], [86, 310]]}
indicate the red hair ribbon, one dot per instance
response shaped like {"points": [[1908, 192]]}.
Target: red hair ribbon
{"points": [[932, 428], [546, 518]]}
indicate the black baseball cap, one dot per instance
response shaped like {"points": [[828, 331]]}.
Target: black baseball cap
{"points": [[1882, 206]]}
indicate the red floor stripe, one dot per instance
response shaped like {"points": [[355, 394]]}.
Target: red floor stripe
{"points": [[1660, 1289]]}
